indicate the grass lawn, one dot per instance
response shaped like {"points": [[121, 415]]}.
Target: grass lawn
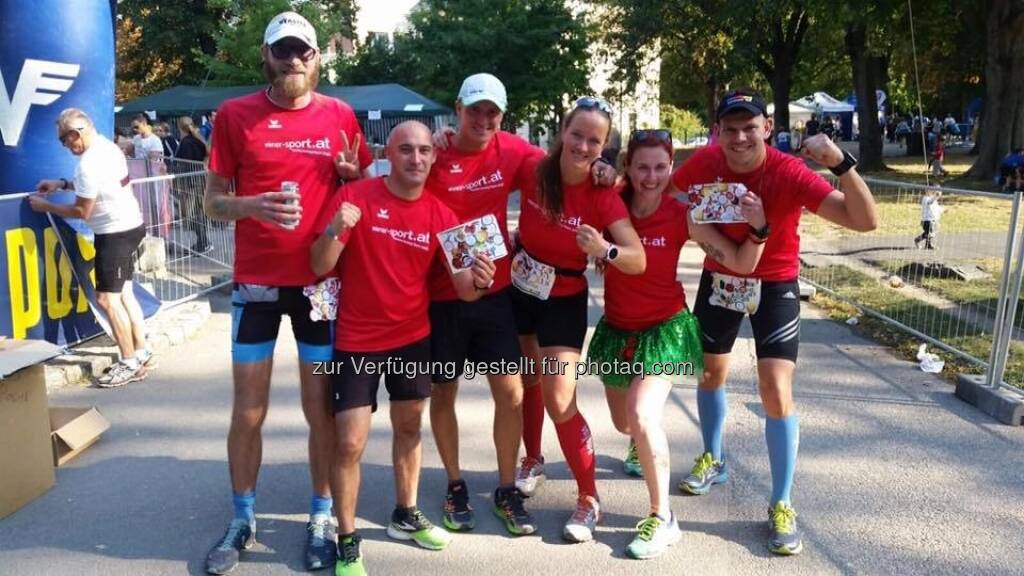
{"points": [[921, 316]]}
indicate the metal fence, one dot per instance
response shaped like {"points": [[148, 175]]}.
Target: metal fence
{"points": [[184, 253], [957, 288]]}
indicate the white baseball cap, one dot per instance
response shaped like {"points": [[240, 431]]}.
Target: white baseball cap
{"points": [[479, 87], [290, 25]]}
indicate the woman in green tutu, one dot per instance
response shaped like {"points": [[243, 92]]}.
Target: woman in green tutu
{"points": [[647, 337]]}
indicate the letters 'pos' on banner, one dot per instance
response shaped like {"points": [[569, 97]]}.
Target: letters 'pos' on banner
{"points": [[54, 55]]}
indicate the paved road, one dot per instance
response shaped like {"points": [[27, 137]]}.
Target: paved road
{"points": [[896, 476]]}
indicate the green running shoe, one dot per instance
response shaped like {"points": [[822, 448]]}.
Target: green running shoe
{"points": [[350, 561], [706, 472], [654, 537], [413, 525], [508, 506], [784, 537], [631, 465], [457, 514]]}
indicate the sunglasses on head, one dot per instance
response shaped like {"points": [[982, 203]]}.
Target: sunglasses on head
{"points": [[287, 51], [594, 103], [661, 135]]}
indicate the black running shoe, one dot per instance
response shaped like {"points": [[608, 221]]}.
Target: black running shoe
{"points": [[321, 549], [458, 514]]}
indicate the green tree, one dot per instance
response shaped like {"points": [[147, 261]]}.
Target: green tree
{"points": [[376, 61], [160, 44], [683, 124], [538, 48]]}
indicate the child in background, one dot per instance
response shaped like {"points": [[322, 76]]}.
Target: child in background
{"points": [[938, 155], [931, 211]]}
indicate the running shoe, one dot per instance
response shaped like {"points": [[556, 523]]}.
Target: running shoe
{"points": [[706, 472], [508, 506], [653, 538], [122, 374], [581, 525], [350, 561], [631, 465], [321, 549], [146, 357], [457, 513], [784, 537], [531, 475], [415, 526], [223, 557]]}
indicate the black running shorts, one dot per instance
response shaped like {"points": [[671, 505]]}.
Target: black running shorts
{"points": [[115, 258], [480, 331], [355, 376], [776, 324]]}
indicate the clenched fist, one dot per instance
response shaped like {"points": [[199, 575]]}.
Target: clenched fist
{"points": [[346, 218]]}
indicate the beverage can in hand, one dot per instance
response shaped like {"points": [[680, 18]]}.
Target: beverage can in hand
{"points": [[293, 187]]}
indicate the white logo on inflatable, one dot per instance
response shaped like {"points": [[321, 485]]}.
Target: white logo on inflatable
{"points": [[41, 83]]}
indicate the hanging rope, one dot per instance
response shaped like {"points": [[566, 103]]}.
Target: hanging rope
{"points": [[917, 81]]}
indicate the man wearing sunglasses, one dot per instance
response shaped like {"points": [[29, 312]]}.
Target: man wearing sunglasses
{"points": [[786, 185], [285, 149], [105, 201]]}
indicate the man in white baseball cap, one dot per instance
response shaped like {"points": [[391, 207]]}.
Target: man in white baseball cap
{"points": [[473, 175], [290, 25]]}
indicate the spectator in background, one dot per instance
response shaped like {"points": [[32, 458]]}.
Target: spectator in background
{"points": [[902, 132], [207, 128], [190, 193], [813, 126], [167, 139], [930, 214], [123, 139], [146, 143], [938, 155], [1011, 171], [104, 199]]}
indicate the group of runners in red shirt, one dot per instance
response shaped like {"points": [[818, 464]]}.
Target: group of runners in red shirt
{"points": [[356, 263]]}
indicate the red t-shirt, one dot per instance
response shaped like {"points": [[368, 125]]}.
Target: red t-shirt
{"points": [[554, 242], [474, 184], [385, 264], [639, 301], [259, 145], [785, 184]]}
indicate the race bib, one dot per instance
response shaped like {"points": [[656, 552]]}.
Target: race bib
{"points": [[717, 202], [323, 299], [734, 293], [532, 277]]}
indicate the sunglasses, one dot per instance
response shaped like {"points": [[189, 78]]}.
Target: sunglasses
{"points": [[594, 103], [661, 135], [282, 51], [64, 137]]}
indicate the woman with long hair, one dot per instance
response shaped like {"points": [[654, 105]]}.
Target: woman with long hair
{"points": [[190, 196], [562, 224], [648, 337]]}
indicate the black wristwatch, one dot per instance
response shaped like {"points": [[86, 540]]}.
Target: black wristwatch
{"points": [[63, 183], [849, 161], [761, 233]]}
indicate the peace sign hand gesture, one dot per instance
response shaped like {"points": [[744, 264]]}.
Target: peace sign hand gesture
{"points": [[347, 161]]}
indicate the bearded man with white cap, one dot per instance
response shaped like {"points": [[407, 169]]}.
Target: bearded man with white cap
{"points": [[286, 149]]}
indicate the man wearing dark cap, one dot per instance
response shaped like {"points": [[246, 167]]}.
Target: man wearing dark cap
{"points": [[285, 148], [786, 186]]}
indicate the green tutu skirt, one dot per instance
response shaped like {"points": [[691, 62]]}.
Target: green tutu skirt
{"points": [[670, 350]]}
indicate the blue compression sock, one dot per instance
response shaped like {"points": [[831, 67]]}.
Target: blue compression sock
{"points": [[320, 505], [783, 438], [711, 410], [244, 504]]}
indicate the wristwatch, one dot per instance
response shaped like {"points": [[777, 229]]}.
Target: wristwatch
{"points": [[612, 253], [63, 183], [849, 161], [759, 235], [331, 233]]}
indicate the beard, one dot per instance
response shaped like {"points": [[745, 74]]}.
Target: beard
{"points": [[292, 86]]}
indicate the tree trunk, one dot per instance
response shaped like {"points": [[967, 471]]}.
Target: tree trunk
{"points": [[1001, 124], [864, 82], [782, 84]]}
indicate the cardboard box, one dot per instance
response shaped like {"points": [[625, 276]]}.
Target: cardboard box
{"points": [[73, 430], [25, 450]]}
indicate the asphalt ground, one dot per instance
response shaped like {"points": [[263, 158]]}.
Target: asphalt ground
{"points": [[895, 476]]}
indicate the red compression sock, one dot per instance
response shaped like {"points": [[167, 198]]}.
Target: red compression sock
{"points": [[578, 449], [533, 419]]}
